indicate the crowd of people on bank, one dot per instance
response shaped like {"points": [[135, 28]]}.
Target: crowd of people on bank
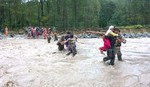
{"points": [[46, 33]]}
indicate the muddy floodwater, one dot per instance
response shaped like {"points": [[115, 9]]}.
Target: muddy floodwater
{"points": [[35, 63]]}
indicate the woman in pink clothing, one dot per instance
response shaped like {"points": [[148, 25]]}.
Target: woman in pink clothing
{"points": [[106, 45], [33, 32], [44, 32]]}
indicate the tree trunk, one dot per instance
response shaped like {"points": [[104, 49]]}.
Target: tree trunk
{"points": [[42, 11], [75, 13], [10, 23]]}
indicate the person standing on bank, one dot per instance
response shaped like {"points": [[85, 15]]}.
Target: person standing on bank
{"points": [[33, 32], [6, 31], [44, 33]]}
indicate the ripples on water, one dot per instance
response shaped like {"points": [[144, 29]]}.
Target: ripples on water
{"points": [[35, 63]]}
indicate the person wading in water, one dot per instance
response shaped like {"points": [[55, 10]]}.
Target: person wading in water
{"points": [[111, 49]]}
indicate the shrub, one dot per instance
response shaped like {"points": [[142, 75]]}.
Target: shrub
{"points": [[132, 27]]}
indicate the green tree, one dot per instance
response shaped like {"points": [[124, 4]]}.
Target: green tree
{"points": [[106, 12]]}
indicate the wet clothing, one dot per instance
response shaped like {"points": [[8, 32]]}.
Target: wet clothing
{"points": [[60, 43], [29, 33], [112, 40], [44, 33], [66, 38], [118, 47], [55, 37], [111, 50], [70, 44], [118, 43], [106, 45], [118, 52], [72, 47], [60, 46], [48, 37], [110, 56], [37, 32], [72, 50], [33, 32]]}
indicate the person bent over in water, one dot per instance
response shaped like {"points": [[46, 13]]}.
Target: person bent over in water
{"points": [[61, 43]]}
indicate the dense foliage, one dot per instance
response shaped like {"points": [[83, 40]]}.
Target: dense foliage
{"points": [[73, 14]]}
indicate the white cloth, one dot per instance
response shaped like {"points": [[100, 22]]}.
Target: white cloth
{"points": [[109, 30]]}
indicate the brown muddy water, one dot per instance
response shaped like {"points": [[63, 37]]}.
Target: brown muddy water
{"points": [[35, 63]]}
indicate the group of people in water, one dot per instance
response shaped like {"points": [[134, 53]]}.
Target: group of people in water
{"points": [[70, 41], [112, 43]]}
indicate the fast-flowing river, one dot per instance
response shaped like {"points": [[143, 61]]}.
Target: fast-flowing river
{"points": [[35, 63]]}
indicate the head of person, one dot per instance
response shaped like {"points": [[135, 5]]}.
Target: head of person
{"points": [[68, 33], [62, 38], [111, 27], [49, 28], [71, 36], [48, 31], [116, 30]]}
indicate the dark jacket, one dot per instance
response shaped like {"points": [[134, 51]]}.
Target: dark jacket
{"points": [[60, 46], [112, 40]]}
